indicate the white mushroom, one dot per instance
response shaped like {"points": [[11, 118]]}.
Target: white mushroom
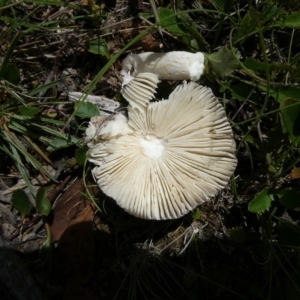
{"points": [[176, 65], [104, 128], [139, 90], [176, 154]]}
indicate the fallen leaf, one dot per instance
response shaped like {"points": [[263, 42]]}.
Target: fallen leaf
{"points": [[77, 265], [68, 207], [296, 173]]}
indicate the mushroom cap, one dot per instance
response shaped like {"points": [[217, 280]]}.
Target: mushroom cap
{"points": [[139, 90], [180, 152]]}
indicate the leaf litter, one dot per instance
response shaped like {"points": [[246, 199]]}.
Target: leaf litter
{"points": [[101, 252]]}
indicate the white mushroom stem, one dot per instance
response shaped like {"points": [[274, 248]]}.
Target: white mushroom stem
{"points": [[176, 65]]}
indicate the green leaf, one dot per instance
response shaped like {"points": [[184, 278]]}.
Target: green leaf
{"points": [[253, 64], [4, 68], [169, 21], [146, 15], [271, 12], [29, 111], [240, 91], [192, 29], [197, 214], [43, 205], [240, 236], [282, 93], [58, 143], [11, 74], [262, 201], [287, 92], [43, 88], [289, 198], [19, 164], [248, 25], [223, 5], [252, 140], [99, 46], [290, 118], [86, 110], [21, 202], [253, 20], [223, 62], [81, 155], [292, 21]]}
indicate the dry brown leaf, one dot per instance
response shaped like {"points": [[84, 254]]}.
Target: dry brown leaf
{"points": [[68, 207], [77, 265], [296, 173]]}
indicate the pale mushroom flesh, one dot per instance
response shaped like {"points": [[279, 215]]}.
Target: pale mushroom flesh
{"points": [[174, 65], [139, 90]]}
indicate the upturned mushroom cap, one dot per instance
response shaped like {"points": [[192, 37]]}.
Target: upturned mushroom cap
{"points": [[139, 90], [180, 152], [175, 65]]}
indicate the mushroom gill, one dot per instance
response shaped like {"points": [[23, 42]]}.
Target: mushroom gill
{"points": [[174, 155]]}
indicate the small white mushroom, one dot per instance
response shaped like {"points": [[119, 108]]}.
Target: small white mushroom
{"points": [[176, 154], [176, 65], [106, 127]]}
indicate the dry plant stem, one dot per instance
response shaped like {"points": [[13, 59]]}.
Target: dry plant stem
{"points": [[55, 108], [259, 132], [6, 214], [103, 103], [37, 227], [116, 24], [59, 189], [57, 14], [4, 199], [177, 238], [37, 149], [241, 107], [121, 30], [25, 226], [213, 223], [163, 30], [66, 31]]}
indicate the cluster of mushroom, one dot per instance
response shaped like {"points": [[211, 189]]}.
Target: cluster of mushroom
{"points": [[166, 157]]}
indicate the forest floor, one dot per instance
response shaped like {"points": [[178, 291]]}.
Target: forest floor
{"points": [[62, 238]]}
